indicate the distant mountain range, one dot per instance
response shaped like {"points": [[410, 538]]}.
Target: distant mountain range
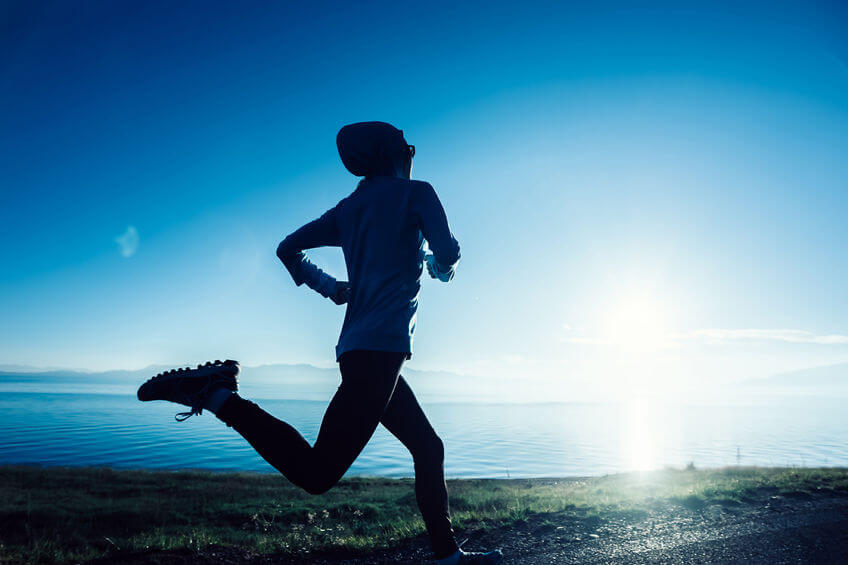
{"points": [[829, 380], [289, 381]]}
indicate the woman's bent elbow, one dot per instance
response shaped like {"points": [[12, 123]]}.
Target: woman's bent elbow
{"points": [[284, 250]]}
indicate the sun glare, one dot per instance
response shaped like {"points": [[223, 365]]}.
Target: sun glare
{"points": [[638, 322]]}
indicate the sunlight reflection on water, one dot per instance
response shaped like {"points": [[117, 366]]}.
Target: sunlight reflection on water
{"points": [[640, 435]]}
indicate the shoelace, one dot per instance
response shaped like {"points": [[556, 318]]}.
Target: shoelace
{"points": [[196, 400], [183, 416]]}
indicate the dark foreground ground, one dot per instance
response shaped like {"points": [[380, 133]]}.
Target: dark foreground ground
{"points": [[732, 515]]}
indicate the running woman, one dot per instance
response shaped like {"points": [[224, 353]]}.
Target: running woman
{"points": [[381, 228]]}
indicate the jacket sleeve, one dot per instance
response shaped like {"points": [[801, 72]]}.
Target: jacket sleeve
{"points": [[322, 232], [434, 226]]}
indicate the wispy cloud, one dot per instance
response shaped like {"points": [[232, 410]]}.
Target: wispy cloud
{"points": [[585, 340], [568, 335], [791, 336], [128, 242], [712, 335]]}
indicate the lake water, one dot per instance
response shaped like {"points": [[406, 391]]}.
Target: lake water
{"points": [[482, 440]]}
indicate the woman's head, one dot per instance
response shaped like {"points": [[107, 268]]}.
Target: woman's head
{"points": [[370, 149]]}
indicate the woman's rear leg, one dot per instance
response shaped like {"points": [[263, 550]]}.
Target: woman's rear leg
{"points": [[405, 419]]}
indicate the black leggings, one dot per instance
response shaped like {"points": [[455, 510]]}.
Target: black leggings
{"points": [[372, 392]]}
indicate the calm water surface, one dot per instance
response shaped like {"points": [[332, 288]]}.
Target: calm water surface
{"points": [[482, 440]]}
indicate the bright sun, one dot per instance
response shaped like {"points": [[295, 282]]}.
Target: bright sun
{"points": [[638, 322]]}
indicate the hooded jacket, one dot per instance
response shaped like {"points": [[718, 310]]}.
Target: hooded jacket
{"points": [[381, 227]]}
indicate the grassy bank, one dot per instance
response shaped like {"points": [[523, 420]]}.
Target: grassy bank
{"points": [[63, 514]]}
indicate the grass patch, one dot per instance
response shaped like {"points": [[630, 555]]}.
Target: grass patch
{"points": [[74, 514]]}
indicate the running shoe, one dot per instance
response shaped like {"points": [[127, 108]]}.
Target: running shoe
{"points": [[474, 557], [191, 387]]}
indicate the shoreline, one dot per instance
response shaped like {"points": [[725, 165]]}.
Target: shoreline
{"points": [[540, 479]]}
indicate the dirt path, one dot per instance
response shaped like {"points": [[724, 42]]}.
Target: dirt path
{"points": [[780, 531]]}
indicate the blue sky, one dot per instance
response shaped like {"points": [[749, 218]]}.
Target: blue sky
{"points": [[638, 189]]}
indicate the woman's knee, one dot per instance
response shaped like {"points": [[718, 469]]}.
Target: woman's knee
{"points": [[318, 487], [319, 482], [430, 451]]}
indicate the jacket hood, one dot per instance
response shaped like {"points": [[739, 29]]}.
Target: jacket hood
{"points": [[371, 149]]}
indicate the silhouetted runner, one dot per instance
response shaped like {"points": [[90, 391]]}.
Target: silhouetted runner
{"points": [[381, 228]]}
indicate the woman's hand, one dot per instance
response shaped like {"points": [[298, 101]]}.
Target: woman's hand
{"points": [[342, 294], [435, 270]]}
